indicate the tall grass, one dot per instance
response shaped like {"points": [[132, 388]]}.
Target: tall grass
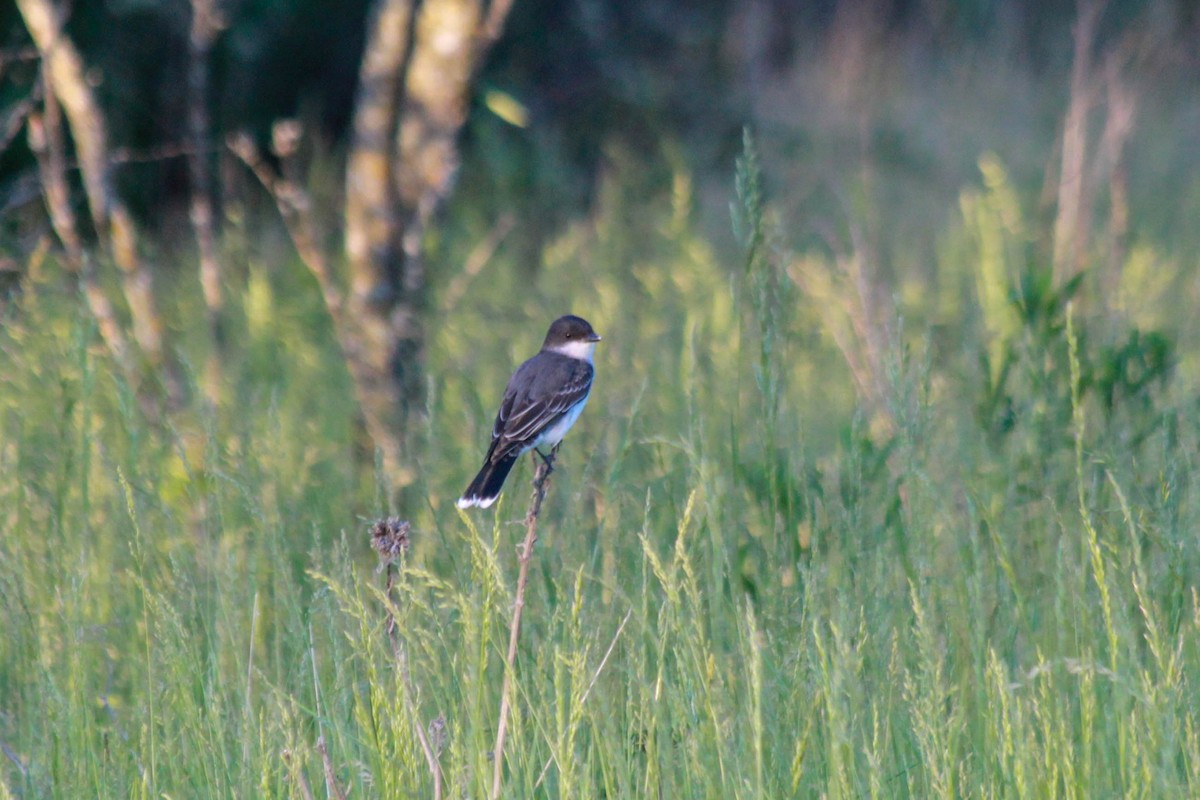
{"points": [[741, 589]]}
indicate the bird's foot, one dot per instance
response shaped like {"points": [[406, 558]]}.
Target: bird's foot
{"points": [[547, 458], [547, 465]]}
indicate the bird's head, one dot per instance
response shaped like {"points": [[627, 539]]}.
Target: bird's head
{"points": [[571, 336]]}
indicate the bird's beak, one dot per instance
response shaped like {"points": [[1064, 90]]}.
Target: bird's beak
{"points": [[594, 337]]}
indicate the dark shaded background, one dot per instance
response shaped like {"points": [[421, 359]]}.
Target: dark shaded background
{"points": [[589, 73]]}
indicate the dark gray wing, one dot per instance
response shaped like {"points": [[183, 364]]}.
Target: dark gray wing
{"points": [[539, 392]]}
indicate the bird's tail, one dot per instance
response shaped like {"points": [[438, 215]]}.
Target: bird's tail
{"points": [[484, 490]]}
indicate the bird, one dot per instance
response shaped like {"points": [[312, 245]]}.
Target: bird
{"points": [[543, 399]]}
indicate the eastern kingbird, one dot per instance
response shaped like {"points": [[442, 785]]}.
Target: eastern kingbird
{"points": [[543, 399]]}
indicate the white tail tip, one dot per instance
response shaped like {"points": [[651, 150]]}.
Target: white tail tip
{"points": [[481, 502]]}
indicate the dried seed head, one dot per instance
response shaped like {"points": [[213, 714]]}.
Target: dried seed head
{"points": [[389, 538], [438, 734]]}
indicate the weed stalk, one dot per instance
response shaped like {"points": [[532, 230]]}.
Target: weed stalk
{"points": [[390, 538], [540, 485]]}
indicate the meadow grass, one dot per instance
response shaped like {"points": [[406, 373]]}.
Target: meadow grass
{"points": [[747, 584]]}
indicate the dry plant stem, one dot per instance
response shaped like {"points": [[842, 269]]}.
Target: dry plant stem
{"points": [[297, 776], [540, 484], [431, 759], [12, 756], [388, 587], [331, 786]]}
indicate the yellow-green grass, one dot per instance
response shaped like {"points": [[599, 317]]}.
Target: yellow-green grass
{"points": [[749, 583]]}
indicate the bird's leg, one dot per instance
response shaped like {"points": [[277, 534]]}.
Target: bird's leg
{"points": [[542, 471], [548, 459]]}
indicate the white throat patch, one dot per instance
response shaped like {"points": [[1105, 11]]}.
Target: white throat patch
{"points": [[580, 350]]}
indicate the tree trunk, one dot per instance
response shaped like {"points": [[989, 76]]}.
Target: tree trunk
{"points": [[46, 142], [201, 35], [434, 109], [370, 196], [414, 87], [371, 223], [65, 75]]}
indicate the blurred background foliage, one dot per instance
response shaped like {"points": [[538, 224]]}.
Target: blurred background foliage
{"points": [[590, 76], [895, 208], [894, 211]]}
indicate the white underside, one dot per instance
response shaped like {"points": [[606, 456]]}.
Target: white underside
{"points": [[555, 433], [551, 436]]}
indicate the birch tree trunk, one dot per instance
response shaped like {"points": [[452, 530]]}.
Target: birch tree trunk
{"points": [[414, 87], [370, 219], [65, 76]]}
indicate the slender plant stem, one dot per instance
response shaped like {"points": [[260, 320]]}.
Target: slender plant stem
{"points": [[431, 757], [331, 784], [390, 539], [297, 775], [540, 485]]}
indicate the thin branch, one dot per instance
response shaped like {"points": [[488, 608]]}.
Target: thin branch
{"points": [[492, 27], [540, 485], [46, 141], [1074, 189], [358, 341], [15, 54], [476, 260], [295, 206], [161, 152], [16, 117], [64, 73]]}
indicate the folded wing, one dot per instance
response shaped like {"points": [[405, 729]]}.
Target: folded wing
{"points": [[536, 397]]}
